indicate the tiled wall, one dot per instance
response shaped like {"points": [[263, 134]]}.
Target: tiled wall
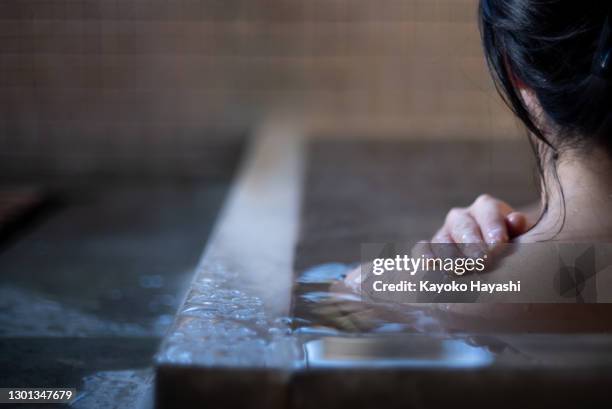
{"points": [[120, 85]]}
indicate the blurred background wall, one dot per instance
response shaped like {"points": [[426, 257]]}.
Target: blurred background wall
{"points": [[158, 87]]}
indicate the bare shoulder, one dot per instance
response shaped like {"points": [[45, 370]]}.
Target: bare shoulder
{"points": [[558, 279]]}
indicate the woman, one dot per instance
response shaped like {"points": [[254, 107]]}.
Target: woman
{"points": [[552, 64]]}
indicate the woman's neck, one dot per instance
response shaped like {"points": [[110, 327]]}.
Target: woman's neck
{"points": [[580, 202]]}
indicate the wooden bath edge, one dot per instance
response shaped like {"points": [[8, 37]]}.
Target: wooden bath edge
{"points": [[229, 343]]}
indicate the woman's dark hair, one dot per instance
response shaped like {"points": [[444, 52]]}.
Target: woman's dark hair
{"points": [[560, 49], [555, 48]]}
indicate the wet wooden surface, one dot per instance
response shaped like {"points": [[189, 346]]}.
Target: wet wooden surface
{"points": [[228, 346]]}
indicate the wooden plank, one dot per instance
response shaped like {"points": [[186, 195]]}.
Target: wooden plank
{"points": [[231, 332], [504, 388]]}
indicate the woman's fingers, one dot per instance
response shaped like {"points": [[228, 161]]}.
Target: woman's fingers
{"points": [[490, 215], [465, 231], [443, 245], [517, 224], [462, 227], [479, 229]]}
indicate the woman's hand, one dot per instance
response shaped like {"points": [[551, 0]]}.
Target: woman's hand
{"points": [[485, 224]]}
